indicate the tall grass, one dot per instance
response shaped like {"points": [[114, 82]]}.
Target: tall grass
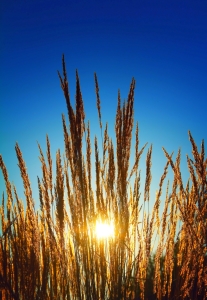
{"points": [[54, 253]]}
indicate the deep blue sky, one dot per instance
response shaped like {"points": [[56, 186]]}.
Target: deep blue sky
{"points": [[163, 44]]}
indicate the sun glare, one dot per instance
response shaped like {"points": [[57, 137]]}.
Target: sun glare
{"points": [[104, 229]]}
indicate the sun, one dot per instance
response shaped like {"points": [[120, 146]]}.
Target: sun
{"points": [[104, 229]]}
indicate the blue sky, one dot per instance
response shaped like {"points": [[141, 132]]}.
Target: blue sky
{"points": [[163, 44]]}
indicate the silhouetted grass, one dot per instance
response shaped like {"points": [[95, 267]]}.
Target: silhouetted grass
{"points": [[54, 253]]}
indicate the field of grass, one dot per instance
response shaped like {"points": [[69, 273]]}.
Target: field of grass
{"points": [[54, 252]]}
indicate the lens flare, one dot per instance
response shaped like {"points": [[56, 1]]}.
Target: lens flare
{"points": [[104, 230]]}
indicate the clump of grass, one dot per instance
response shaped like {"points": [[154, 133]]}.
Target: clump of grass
{"points": [[54, 253]]}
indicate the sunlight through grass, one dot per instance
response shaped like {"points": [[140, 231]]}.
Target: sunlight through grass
{"points": [[104, 229]]}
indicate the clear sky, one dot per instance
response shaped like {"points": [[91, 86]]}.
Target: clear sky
{"points": [[163, 44]]}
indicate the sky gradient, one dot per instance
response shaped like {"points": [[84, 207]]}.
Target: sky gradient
{"points": [[162, 44]]}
